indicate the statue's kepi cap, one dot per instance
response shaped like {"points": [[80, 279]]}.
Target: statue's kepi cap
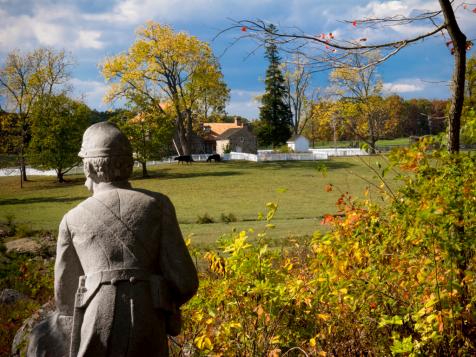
{"points": [[104, 140]]}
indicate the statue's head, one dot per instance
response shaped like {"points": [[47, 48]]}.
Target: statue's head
{"points": [[106, 154]]}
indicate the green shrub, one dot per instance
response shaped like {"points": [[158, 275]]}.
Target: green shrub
{"points": [[31, 276], [11, 319], [205, 219], [228, 218], [24, 230], [283, 149]]}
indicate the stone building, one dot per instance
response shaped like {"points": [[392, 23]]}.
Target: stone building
{"points": [[237, 140], [236, 136]]}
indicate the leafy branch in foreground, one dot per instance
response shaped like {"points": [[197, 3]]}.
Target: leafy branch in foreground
{"points": [[325, 51]]}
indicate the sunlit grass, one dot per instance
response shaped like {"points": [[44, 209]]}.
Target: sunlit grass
{"points": [[240, 188]]}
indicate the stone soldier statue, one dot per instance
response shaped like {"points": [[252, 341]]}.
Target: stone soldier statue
{"points": [[122, 267]]}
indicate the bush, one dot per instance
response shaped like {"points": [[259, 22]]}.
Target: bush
{"points": [[283, 149], [228, 218], [205, 219], [399, 278], [31, 276]]}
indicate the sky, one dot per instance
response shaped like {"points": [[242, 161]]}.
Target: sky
{"points": [[94, 30]]}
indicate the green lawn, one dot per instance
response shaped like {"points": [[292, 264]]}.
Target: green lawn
{"points": [[241, 188]]}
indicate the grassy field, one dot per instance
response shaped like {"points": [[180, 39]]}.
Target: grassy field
{"points": [[240, 188]]}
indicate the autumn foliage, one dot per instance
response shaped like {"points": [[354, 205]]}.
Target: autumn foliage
{"points": [[392, 279]]}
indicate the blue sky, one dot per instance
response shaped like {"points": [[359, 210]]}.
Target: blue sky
{"points": [[93, 30]]}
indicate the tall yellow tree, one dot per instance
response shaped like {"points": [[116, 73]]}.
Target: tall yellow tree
{"points": [[359, 84], [165, 69]]}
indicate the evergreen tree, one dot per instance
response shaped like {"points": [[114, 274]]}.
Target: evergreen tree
{"points": [[275, 114]]}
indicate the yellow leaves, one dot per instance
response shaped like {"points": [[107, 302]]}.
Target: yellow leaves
{"points": [[203, 343], [161, 62], [234, 325], [288, 265], [346, 74], [239, 244], [312, 342], [343, 291], [216, 263], [324, 317]]}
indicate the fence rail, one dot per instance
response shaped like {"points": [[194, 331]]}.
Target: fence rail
{"points": [[340, 151], [268, 156]]}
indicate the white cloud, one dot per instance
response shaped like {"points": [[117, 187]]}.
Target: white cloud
{"points": [[418, 88], [90, 91], [89, 39], [404, 86], [51, 25], [244, 103]]}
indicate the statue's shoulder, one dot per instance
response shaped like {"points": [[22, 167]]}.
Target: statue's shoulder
{"points": [[157, 197], [78, 211]]}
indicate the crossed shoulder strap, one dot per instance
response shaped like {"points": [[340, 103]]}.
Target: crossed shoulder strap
{"points": [[116, 226]]}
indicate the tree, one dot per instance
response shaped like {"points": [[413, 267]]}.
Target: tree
{"points": [[24, 78], [363, 88], [164, 69], [213, 94], [471, 81], [274, 112], [150, 134], [297, 81], [324, 123], [332, 51], [57, 126], [468, 130]]}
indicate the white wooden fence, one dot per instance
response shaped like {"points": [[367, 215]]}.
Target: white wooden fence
{"points": [[270, 156], [340, 151], [263, 155]]}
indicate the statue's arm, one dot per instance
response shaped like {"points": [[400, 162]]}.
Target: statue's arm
{"points": [[175, 262], [68, 269]]}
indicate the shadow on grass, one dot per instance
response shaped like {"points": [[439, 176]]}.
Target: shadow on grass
{"points": [[50, 182], [31, 200], [165, 174]]}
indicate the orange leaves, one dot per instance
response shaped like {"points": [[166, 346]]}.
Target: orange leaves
{"points": [[329, 187], [327, 219], [244, 29]]}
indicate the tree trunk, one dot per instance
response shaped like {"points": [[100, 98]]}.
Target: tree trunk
{"points": [[182, 135], [189, 132], [60, 176], [22, 165], [372, 138], [457, 87], [144, 169]]}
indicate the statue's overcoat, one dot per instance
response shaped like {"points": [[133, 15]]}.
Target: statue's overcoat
{"points": [[120, 318]]}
